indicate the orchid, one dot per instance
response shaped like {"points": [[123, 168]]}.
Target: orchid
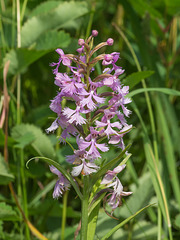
{"points": [[92, 117]]}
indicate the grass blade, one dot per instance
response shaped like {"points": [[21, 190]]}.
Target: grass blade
{"points": [[124, 222]]}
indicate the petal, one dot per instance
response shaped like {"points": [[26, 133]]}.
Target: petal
{"points": [[116, 124], [83, 144], [109, 131], [118, 169], [98, 99], [102, 147], [114, 139], [68, 112], [77, 170], [66, 61], [53, 127], [107, 178], [58, 190], [89, 168], [100, 124], [77, 118], [60, 51], [126, 193], [55, 170]]}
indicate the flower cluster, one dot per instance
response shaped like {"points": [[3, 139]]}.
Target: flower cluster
{"points": [[96, 108]]}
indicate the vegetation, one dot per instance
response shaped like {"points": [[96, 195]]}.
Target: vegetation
{"points": [[146, 33]]}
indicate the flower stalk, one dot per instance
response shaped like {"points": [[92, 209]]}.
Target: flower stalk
{"points": [[96, 118], [85, 201]]}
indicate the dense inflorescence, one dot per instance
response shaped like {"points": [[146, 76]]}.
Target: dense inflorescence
{"points": [[98, 110]]}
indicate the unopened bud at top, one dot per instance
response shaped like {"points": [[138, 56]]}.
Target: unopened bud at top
{"points": [[81, 42], [94, 33], [110, 41]]}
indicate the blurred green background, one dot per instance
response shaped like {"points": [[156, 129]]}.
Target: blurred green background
{"points": [[146, 33]]}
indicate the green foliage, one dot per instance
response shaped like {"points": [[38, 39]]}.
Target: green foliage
{"points": [[5, 175], [53, 19], [7, 213], [37, 139], [134, 78], [152, 32], [21, 58], [140, 197], [53, 39]]}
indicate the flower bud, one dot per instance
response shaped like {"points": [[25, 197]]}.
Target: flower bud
{"points": [[110, 41], [94, 33], [81, 42]]}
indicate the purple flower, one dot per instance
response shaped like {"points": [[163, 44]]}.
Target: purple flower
{"points": [[110, 58], [111, 180], [85, 168], [105, 122], [74, 116], [91, 143], [90, 98], [63, 58], [53, 126], [62, 183], [93, 113]]}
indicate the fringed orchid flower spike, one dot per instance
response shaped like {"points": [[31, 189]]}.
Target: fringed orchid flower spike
{"points": [[95, 114]]}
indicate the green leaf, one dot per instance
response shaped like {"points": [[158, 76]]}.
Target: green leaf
{"points": [[124, 222], [134, 78], [168, 150], [21, 58], [177, 221], [5, 175], [172, 7], [25, 140], [53, 39], [141, 7], [142, 230], [62, 170], [54, 19], [92, 221], [161, 90], [7, 213], [2, 139], [42, 145], [44, 8]]}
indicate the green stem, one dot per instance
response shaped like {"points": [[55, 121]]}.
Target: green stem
{"points": [[13, 29], [63, 225], [24, 198], [23, 9], [24, 192], [159, 222], [4, 49], [84, 217]]}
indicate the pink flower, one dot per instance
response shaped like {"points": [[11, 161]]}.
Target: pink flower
{"points": [[74, 115], [111, 180], [92, 144], [62, 183], [85, 168], [88, 100], [63, 58]]}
